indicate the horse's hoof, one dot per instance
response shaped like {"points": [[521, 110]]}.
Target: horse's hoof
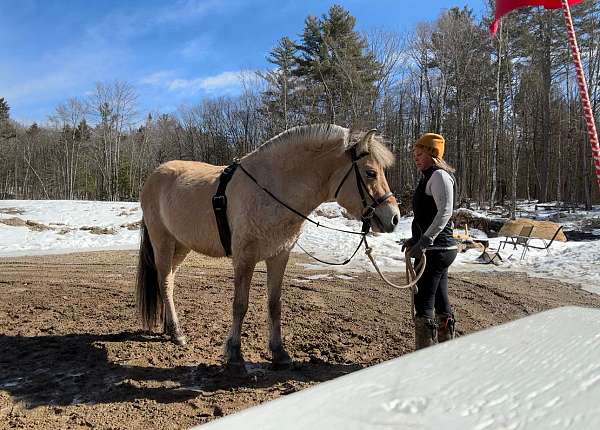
{"points": [[281, 359], [233, 354], [179, 340]]}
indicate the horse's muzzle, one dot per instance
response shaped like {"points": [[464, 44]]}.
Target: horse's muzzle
{"points": [[386, 218]]}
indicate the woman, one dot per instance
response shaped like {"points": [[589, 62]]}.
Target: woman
{"points": [[432, 234]]}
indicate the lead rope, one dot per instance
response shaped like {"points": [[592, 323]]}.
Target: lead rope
{"points": [[411, 274]]}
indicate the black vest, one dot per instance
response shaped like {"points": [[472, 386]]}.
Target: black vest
{"points": [[425, 210]]}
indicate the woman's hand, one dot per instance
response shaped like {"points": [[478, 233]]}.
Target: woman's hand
{"points": [[408, 243], [419, 247]]}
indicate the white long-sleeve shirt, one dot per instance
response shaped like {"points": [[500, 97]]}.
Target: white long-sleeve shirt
{"points": [[441, 187]]}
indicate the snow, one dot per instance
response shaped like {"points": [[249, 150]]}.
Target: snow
{"points": [[575, 262], [539, 372], [66, 219]]}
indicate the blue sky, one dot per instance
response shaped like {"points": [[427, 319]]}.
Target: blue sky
{"points": [[173, 52]]}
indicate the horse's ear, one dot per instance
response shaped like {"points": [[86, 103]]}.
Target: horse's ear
{"points": [[370, 134], [365, 142]]}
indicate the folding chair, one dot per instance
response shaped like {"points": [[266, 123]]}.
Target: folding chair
{"points": [[521, 239], [546, 245], [489, 255]]}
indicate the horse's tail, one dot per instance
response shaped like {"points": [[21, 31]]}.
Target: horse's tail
{"points": [[148, 299]]}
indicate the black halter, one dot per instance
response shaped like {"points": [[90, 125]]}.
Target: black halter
{"points": [[368, 209]]}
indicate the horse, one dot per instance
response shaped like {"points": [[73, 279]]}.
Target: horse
{"points": [[301, 167]]}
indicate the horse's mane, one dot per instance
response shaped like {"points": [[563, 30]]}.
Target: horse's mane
{"points": [[319, 132], [306, 134]]}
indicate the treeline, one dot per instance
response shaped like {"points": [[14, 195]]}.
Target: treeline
{"points": [[508, 107]]}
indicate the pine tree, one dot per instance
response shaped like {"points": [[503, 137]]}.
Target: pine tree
{"points": [[7, 130], [279, 98], [334, 57], [4, 110]]}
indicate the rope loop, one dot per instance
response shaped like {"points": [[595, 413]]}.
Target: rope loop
{"points": [[411, 272]]}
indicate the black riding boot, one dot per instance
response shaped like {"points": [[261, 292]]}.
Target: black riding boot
{"points": [[445, 327], [425, 332]]}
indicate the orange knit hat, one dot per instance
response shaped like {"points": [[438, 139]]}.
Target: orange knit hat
{"points": [[433, 144]]}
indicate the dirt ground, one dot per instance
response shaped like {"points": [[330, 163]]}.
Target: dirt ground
{"points": [[72, 355]]}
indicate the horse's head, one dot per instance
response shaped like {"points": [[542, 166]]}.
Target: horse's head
{"points": [[363, 189]]}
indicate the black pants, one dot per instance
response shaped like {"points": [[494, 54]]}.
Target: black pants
{"points": [[433, 285]]}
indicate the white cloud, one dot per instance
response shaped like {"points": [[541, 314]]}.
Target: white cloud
{"points": [[157, 78], [196, 48], [189, 9], [223, 81], [60, 73], [105, 49], [130, 21]]}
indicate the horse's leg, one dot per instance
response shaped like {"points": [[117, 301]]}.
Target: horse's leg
{"points": [[171, 322], [275, 269], [243, 271], [164, 253]]}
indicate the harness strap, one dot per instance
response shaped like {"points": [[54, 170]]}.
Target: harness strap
{"points": [[353, 166], [291, 209], [365, 227], [331, 263], [360, 184], [219, 202]]}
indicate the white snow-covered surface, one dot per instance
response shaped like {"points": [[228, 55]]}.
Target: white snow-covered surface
{"points": [[541, 372], [66, 219], [576, 262]]}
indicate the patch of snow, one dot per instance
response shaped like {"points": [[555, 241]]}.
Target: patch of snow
{"points": [[575, 262]]}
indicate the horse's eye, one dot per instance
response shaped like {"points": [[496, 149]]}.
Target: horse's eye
{"points": [[371, 174]]}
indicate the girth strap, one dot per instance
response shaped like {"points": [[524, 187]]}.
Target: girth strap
{"points": [[219, 202]]}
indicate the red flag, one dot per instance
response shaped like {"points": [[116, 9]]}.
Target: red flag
{"points": [[505, 6]]}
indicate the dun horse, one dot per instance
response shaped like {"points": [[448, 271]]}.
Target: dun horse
{"points": [[303, 167]]}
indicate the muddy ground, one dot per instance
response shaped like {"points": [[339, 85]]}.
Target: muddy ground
{"points": [[72, 355]]}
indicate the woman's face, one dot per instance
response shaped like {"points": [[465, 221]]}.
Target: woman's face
{"points": [[423, 160]]}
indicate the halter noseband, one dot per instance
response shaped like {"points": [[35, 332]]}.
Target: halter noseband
{"points": [[368, 209]]}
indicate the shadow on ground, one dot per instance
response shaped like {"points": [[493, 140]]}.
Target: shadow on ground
{"points": [[75, 369]]}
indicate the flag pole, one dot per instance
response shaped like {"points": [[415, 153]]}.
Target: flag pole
{"points": [[583, 91]]}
